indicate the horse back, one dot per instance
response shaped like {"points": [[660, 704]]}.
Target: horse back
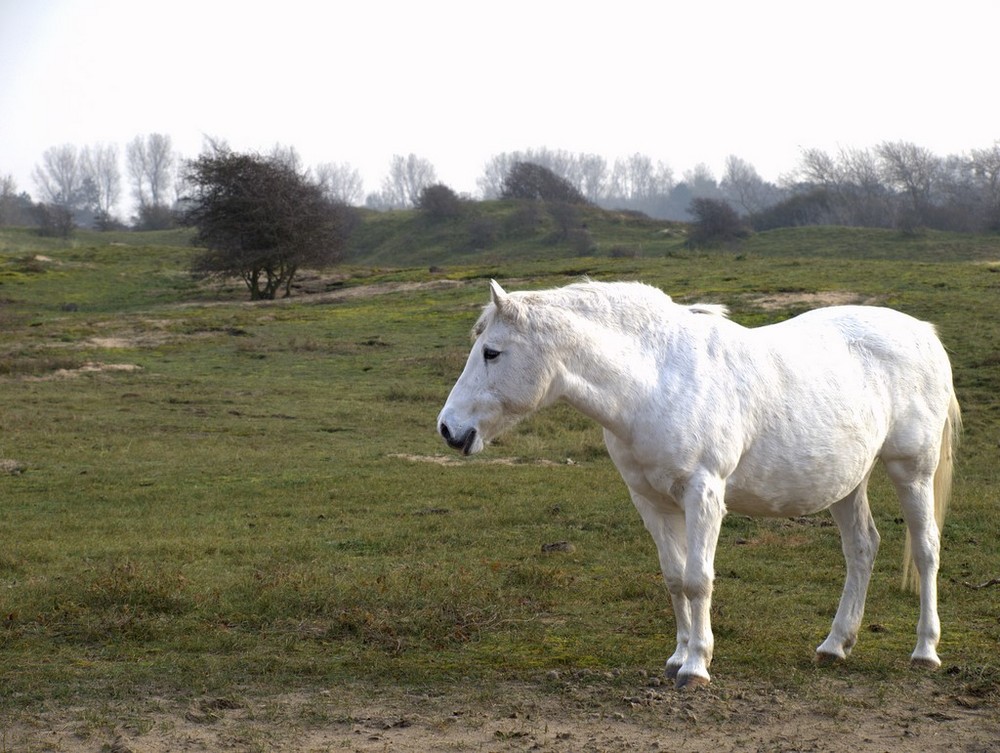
{"points": [[795, 413]]}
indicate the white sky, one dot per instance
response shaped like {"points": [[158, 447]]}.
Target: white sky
{"points": [[458, 82]]}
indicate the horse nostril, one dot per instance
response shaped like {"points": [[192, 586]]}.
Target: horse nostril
{"points": [[445, 433]]}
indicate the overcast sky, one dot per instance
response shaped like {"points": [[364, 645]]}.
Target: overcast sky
{"points": [[458, 82]]}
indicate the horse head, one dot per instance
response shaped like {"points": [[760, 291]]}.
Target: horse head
{"points": [[507, 375]]}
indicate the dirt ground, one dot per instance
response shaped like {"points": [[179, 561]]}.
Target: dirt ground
{"points": [[570, 715]]}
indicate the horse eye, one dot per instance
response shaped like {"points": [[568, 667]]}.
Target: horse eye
{"points": [[489, 354]]}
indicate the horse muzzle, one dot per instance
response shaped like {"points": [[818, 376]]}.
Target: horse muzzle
{"points": [[466, 442]]}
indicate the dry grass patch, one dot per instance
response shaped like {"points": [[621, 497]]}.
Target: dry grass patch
{"points": [[776, 301]]}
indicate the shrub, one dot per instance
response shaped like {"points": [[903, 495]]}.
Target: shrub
{"points": [[438, 202], [526, 180], [715, 221], [54, 221], [259, 219]]}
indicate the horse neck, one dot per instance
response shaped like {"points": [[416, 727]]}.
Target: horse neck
{"points": [[604, 372]]}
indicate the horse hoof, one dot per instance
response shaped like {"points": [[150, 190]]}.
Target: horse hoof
{"points": [[924, 663], [691, 682], [824, 659], [671, 671]]}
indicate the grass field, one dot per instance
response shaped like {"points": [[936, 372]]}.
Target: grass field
{"points": [[203, 496]]}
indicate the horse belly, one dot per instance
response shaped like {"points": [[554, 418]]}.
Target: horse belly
{"points": [[798, 481]]}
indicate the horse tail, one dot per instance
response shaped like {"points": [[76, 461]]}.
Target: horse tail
{"points": [[942, 488]]}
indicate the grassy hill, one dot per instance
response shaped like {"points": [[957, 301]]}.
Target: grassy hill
{"points": [[494, 231]]}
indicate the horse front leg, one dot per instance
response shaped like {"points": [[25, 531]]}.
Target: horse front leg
{"points": [[665, 523], [704, 507]]}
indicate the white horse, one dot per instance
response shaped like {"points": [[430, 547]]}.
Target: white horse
{"points": [[702, 416]]}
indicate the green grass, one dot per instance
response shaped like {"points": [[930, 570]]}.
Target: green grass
{"points": [[234, 514]]}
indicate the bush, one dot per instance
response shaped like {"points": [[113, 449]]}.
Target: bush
{"points": [[155, 217], [53, 221], [811, 208], [438, 202], [715, 221], [526, 180], [260, 220]]}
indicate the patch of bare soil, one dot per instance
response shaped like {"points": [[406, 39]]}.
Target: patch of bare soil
{"points": [[11, 467], [459, 460], [773, 301], [91, 367], [573, 715], [316, 289]]}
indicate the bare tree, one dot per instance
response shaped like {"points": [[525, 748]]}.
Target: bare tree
{"points": [[8, 195], [701, 181], [818, 168], [340, 183], [853, 184], [637, 181], [150, 161], [287, 156], [102, 176], [742, 184], [408, 176], [985, 165], [587, 173], [594, 177], [863, 196], [15, 208], [59, 177], [491, 181], [911, 170]]}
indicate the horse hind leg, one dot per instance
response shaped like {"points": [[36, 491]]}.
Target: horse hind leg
{"points": [[860, 542], [916, 495]]}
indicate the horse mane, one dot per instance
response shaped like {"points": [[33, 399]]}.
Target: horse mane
{"points": [[714, 309], [629, 305]]}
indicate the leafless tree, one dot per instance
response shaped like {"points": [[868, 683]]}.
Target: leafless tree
{"points": [[150, 162], [817, 167], [985, 165], [587, 173], [742, 184], [59, 177], [408, 176], [14, 207], [701, 181], [287, 156], [911, 170], [594, 177], [494, 171], [102, 176], [8, 194], [340, 182], [853, 183], [637, 180]]}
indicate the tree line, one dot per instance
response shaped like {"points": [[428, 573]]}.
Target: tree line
{"points": [[893, 184]]}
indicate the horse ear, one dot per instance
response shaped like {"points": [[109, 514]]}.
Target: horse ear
{"points": [[498, 294]]}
